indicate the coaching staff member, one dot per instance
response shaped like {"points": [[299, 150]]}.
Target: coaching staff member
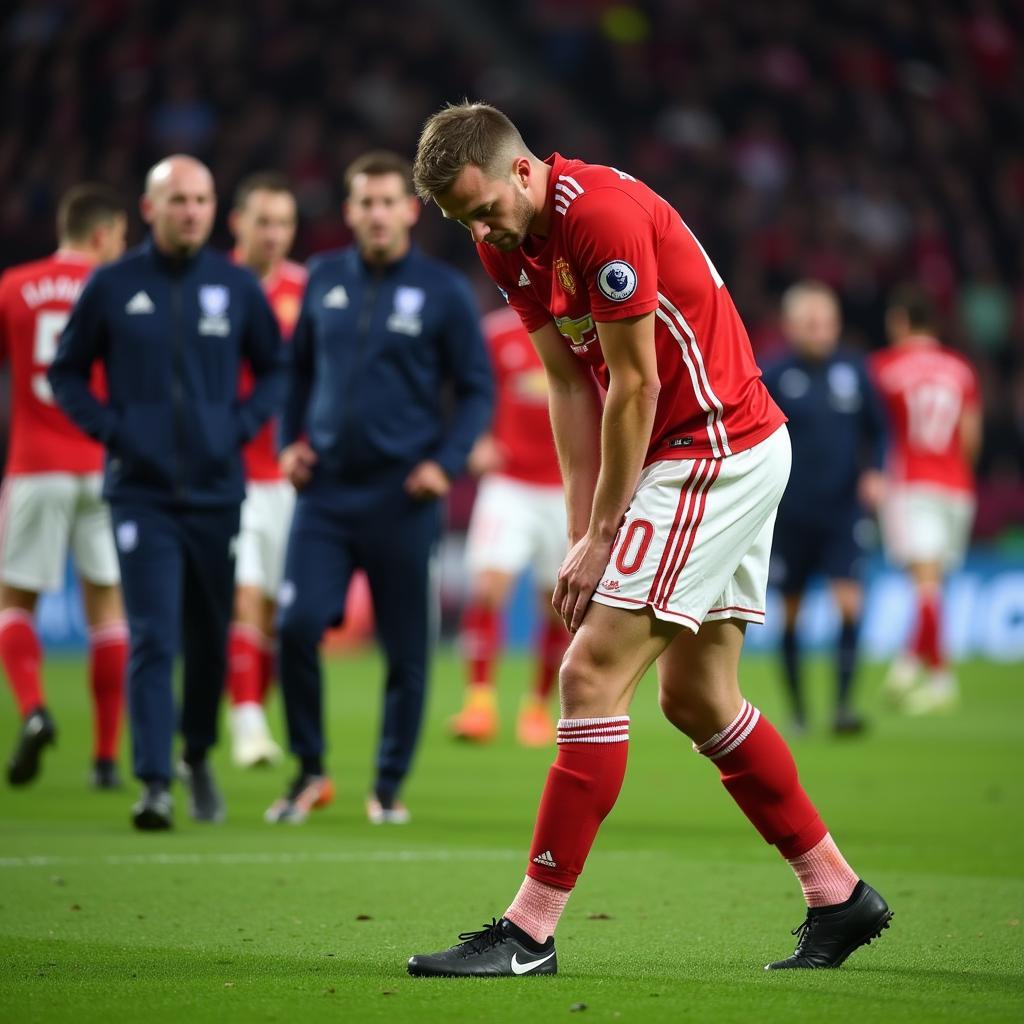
{"points": [[171, 323], [383, 335]]}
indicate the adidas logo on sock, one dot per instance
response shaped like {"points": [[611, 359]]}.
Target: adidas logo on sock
{"points": [[545, 860], [524, 281], [140, 302]]}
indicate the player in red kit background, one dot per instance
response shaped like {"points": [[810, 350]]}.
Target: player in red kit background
{"points": [[932, 399], [518, 521], [51, 490], [671, 493], [263, 222]]}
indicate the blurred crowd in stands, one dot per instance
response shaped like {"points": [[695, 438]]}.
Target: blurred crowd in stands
{"points": [[857, 142]]}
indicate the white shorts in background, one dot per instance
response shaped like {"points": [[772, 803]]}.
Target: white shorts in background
{"points": [[263, 535], [41, 516], [515, 525], [697, 537], [926, 523]]}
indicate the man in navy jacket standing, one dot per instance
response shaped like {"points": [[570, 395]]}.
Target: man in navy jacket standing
{"points": [[387, 342], [171, 324], [837, 429]]}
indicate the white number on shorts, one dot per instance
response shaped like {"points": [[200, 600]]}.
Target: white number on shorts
{"points": [[635, 543], [48, 328], [933, 413]]}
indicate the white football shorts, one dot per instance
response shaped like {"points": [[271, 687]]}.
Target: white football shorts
{"points": [[41, 516], [517, 524], [697, 537], [926, 523], [263, 535]]}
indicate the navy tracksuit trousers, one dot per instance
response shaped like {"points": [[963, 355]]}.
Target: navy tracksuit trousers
{"points": [[338, 528], [178, 579]]}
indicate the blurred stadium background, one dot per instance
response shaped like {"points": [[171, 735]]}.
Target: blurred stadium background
{"points": [[858, 142], [874, 144]]}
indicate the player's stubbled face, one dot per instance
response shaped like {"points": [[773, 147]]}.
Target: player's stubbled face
{"points": [[492, 210]]}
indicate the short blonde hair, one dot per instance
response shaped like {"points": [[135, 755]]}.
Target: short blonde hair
{"points": [[463, 135]]}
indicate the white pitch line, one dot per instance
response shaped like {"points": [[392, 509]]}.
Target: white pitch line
{"points": [[337, 857]]}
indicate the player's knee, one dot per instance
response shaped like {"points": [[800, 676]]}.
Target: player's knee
{"points": [[690, 711], [582, 685], [678, 710]]}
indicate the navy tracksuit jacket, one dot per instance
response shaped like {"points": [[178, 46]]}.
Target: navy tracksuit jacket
{"points": [[172, 335], [388, 368], [837, 429]]}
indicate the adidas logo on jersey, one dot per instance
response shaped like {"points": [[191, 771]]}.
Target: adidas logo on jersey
{"points": [[524, 281], [336, 298], [140, 302], [545, 860]]}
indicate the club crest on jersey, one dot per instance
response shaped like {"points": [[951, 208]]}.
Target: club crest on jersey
{"points": [[564, 274], [405, 318], [213, 304], [616, 280]]}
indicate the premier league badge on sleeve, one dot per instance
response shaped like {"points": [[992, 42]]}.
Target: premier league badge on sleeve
{"points": [[616, 280], [213, 307]]}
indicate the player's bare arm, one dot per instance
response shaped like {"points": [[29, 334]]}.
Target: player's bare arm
{"points": [[575, 408], [970, 433], [628, 347]]}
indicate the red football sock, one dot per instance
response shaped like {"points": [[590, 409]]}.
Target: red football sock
{"points": [[760, 774], [481, 641], [554, 639], [268, 666], [108, 656], [927, 643], [22, 658], [245, 659], [582, 787]]}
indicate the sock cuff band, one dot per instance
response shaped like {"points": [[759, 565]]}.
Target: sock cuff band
{"points": [[732, 735], [109, 633], [16, 616], [594, 730]]}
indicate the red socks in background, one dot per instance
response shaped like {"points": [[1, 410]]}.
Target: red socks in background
{"points": [[927, 644], [481, 641], [108, 658], [22, 658], [245, 664], [554, 639]]}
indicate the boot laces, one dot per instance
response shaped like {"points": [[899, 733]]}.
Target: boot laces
{"points": [[803, 933], [487, 937]]}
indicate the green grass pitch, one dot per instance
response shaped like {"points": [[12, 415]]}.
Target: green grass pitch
{"points": [[679, 908]]}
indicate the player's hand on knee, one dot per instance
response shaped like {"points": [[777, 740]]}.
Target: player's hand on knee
{"points": [[578, 578]]}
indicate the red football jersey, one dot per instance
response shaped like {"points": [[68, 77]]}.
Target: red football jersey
{"points": [[284, 293], [926, 387], [35, 301], [616, 249], [522, 426]]}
